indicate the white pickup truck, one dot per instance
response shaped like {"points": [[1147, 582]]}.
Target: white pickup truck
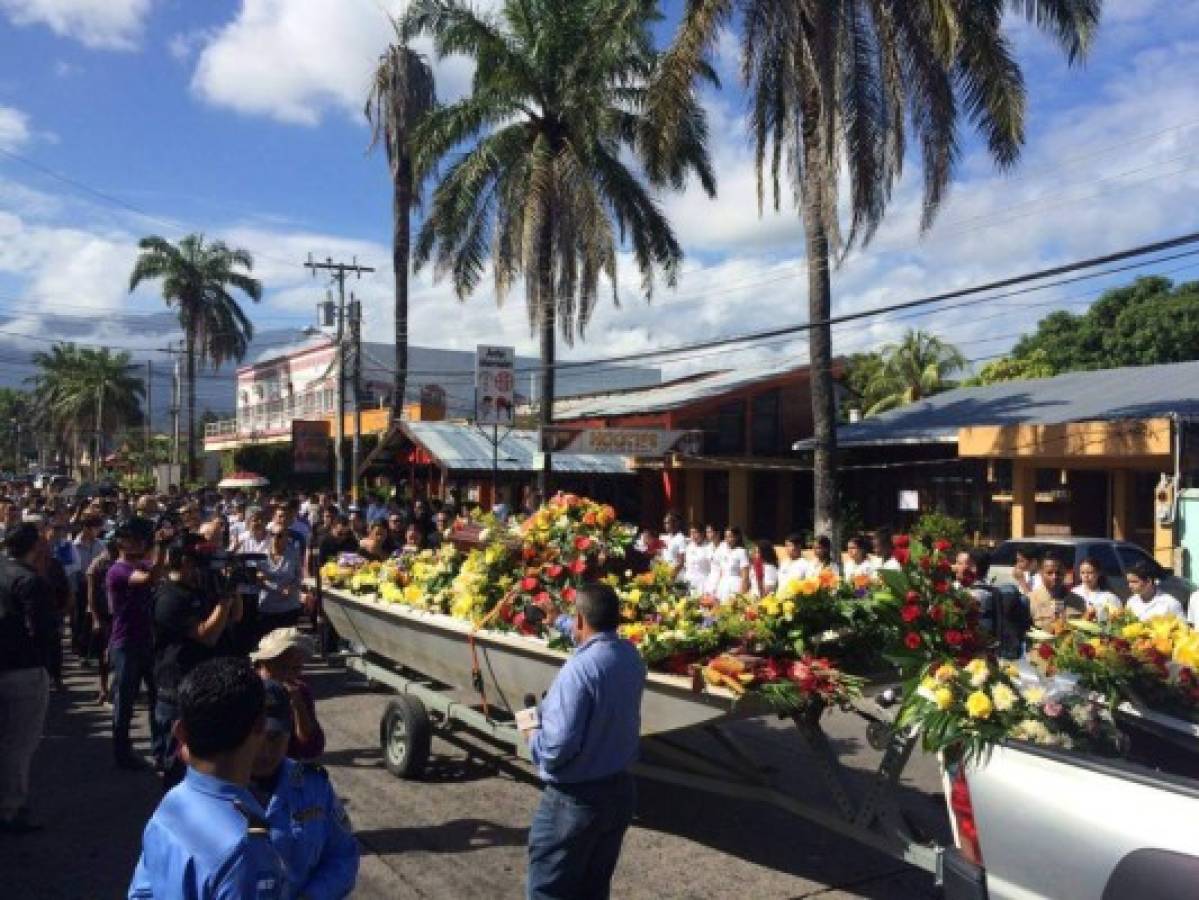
{"points": [[1034, 822]]}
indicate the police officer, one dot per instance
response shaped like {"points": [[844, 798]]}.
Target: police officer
{"points": [[308, 826], [209, 838]]}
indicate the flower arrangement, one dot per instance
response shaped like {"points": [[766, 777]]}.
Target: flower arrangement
{"points": [[574, 525], [338, 572], [788, 686], [1153, 664], [963, 711]]}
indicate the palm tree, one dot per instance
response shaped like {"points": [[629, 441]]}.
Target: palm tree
{"points": [[547, 188], [197, 278], [834, 86], [918, 366], [81, 390], [401, 95]]}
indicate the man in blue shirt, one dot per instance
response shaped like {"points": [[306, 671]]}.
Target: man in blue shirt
{"points": [[590, 724], [209, 838], [308, 826]]}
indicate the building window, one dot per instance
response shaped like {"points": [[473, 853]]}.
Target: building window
{"points": [[766, 423], [724, 432]]}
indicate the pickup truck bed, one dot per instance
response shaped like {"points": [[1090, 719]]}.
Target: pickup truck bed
{"points": [[1062, 825]]}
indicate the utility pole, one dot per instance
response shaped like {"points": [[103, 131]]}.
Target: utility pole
{"points": [[176, 403], [356, 341], [99, 432], [338, 272]]}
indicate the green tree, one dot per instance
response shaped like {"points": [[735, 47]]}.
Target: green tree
{"points": [[1012, 368], [919, 366], [1150, 321], [835, 89], [863, 372], [198, 279], [15, 407], [81, 392], [548, 187], [402, 93]]}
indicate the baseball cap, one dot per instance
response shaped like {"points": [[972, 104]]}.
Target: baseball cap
{"points": [[275, 643], [277, 710]]}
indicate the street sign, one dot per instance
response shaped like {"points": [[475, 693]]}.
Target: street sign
{"points": [[621, 441], [310, 447], [495, 385]]}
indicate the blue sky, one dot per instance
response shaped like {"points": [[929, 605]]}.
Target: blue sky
{"points": [[243, 118]]}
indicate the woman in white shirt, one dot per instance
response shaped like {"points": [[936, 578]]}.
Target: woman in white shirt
{"points": [[697, 562], [1092, 589], [764, 570], [859, 562], [794, 566], [734, 572], [1145, 601], [822, 557], [718, 550], [1193, 610]]}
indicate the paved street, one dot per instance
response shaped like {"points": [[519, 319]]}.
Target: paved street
{"points": [[461, 832]]}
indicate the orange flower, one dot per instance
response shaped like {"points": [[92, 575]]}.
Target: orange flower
{"points": [[861, 581], [828, 578], [589, 519]]}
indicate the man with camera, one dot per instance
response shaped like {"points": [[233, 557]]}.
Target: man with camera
{"points": [[191, 625]]}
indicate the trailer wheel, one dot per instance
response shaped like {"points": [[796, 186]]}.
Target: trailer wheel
{"points": [[405, 734]]}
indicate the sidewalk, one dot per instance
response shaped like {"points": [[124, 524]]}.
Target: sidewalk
{"points": [[93, 812]]}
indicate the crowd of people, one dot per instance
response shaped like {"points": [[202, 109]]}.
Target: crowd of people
{"points": [[195, 603]]}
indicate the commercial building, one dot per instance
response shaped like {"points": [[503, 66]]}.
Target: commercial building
{"points": [[1099, 454]]}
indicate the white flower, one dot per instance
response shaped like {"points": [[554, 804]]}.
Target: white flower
{"points": [[1003, 697], [979, 677], [1081, 714]]}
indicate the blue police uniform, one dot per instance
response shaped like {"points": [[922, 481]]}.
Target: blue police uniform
{"points": [[208, 840], [310, 830]]}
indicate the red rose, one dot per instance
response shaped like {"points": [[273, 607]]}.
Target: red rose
{"points": [[943, 567], [954, 638], [506, 612], [926, 563], [941, 587], [568, 594], [1121, 645], [1087, 651], [912, 640], [555, 571], [771, 670], [528, 584], [579, 566], [901, 540], [1045, 651], [936, 613], [582, 542], [913, 597], [902, 556], [942, 546], [543, 599], [529, 554], [910, 613], [751, 615]]}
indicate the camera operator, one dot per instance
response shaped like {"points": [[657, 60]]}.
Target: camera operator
{"points": [[192, 622]]}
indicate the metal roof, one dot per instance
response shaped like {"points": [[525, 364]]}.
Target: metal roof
{"points": [[464, 448], [1130, 393], [672, 395]]}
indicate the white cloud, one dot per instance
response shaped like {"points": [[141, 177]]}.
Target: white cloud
{"points": [[297, 60], [103, 24], [14, 128]]}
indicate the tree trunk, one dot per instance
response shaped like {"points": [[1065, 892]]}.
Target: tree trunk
{"points": [[549, 320], [400, 250], [824, 415], [99, 432], [191, 406]]}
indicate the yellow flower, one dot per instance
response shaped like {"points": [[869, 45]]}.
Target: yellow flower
{"points": [[976, 665], [789, 608], [635, 595], [1186, 650], [946, 672], [1034, 694], [771, 605], [930, 685], [943, 698], [978, 705], [1133, 631], [809, 586], [1004, 697], [1012, 670]]}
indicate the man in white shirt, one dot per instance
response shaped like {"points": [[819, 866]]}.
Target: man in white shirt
{"points": [[1145, 601], [674, 544]]}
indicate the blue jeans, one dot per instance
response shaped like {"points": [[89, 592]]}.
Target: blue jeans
{"points": [[131, 666], [575, 838]]}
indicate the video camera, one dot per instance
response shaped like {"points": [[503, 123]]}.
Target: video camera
{"points": [[230, 571]]}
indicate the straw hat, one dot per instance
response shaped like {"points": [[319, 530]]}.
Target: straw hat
{"points": [[279, 641]]}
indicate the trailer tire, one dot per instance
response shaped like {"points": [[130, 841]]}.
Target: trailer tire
{"points": [[405, 734]]}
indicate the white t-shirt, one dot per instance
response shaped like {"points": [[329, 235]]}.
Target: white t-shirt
{"points": [[673, 547], [1160, 605], [697, 565], [865, 567], [1098, 599], [736, 561], [716, 567], [793, 570], [1193, 610]]}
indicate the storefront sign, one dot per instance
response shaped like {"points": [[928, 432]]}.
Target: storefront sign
{"points": [[310, 447], [495, 385], [622, 441]]}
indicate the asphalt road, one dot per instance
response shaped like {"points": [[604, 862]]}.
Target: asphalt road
{"points": [[461, 831]]}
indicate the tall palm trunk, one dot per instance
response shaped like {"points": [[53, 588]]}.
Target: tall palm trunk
{"points": [[400, 250], [549, 321], [824, 415], [191, 405]]}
